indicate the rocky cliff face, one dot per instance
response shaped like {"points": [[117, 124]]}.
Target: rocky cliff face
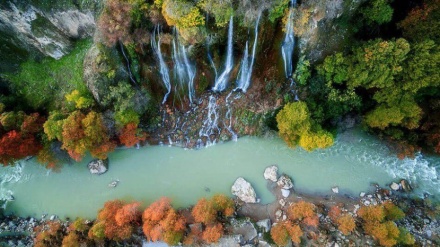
{"points": [[39, 28]]}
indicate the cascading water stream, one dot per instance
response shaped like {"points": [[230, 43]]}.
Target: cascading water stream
{"points": [[222, 80], [245, 73], [210, 125], [11, 174], [210, 58], [164, 72], [229, 117], [183, 70], [289, 43]]}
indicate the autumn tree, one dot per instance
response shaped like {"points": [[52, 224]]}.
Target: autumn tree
{"points": [[284, 231], [162, 222], [48, 234], [212, 233], [115, 221], [19, 135], [304, 212], [423, 22], [115, 21]]}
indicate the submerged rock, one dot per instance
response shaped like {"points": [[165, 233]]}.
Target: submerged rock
{"points": [[244, 190], [405, 185], [271, 173], [335, 189], [98, 166]]}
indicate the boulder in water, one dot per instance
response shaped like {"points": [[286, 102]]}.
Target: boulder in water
{"points": [[394, 186], [244, 190], [405, 185], [335, 189], [271, 173], [285, 182], [98, 166]]}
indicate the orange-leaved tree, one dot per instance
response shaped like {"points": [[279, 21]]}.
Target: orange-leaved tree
{"points": [[285, 230], [130, 135], [162, 222], [303, 212], [116, 221]]}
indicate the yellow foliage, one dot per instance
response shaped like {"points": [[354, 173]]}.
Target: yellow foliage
{"points": [[346, 224]]}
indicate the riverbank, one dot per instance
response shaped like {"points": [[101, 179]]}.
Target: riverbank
{"points": [[252, 222]]}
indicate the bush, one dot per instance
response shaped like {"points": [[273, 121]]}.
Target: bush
{"points": [[212, 233], [301, 210], [283, 231]]}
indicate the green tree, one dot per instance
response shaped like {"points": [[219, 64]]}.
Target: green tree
{"points": [[297, 128], [377, 12]]}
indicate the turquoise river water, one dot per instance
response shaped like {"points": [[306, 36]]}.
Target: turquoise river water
{"points": [[353, 163]]}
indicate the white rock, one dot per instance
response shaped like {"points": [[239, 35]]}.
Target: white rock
{"points": [[285, 193], [264, 224], [282, 202], [98, 166], [271, 173], [394, 186], [335, 189], [285, 182], [362, 194], [278, 213], [53, 217], [367, 203], [244, 190], [284, 217]]}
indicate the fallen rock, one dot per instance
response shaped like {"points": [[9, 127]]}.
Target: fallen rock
{"points": [[228, 241], [362, 194], [244, 191], [394, 186], [285, 193], [405, 185], [98, 166], [285, 182], [282, 202], [262, 243], [271, 173], [335, 189], [265, 225]]}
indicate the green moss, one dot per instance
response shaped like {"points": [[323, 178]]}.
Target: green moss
{"points": [[44, 83]]}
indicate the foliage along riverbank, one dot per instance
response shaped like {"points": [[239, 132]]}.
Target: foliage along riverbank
{"points": [[383, 216], [383, 66]]}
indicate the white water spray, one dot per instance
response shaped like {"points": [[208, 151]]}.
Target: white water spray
{"points": [[289, 43], [164, 72], [245, 73], [222, 80]]}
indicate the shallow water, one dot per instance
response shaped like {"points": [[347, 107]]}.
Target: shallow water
{"points": [[355, 161]]}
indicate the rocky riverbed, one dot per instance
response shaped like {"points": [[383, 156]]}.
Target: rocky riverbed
{"points": [[253, 221]]}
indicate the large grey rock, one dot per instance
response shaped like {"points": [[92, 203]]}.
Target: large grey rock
{"points": [[271, 173], [34, 29], [98, 166], [244, 190], [229, 241], [244, 228], [285, 182]]}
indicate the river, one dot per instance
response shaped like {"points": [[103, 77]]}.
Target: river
{"points": [[353, 163]]}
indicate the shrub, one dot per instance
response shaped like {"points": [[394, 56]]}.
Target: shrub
{"points": [[283, 231], [71, 240], [204, 211], [372, 213], [393, 212], [301, 210]]}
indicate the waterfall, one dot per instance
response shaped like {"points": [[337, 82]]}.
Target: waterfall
{"points": [[229, 116], [245, 73], [184, 72], [128, 64], [210, 125], [164, 72], [210, 58], [222, 80], [289, 43]]}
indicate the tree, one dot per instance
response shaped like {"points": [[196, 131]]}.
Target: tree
{"points": [[204, 211], [297, 128], [221, 10], [115, 21], [304, 212], [83, 133], [130, 135], [346, 224], [18, 135], [162, 222], [377, 12], [115, 221], [284, 231], [423, 22], [212, 233]]}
